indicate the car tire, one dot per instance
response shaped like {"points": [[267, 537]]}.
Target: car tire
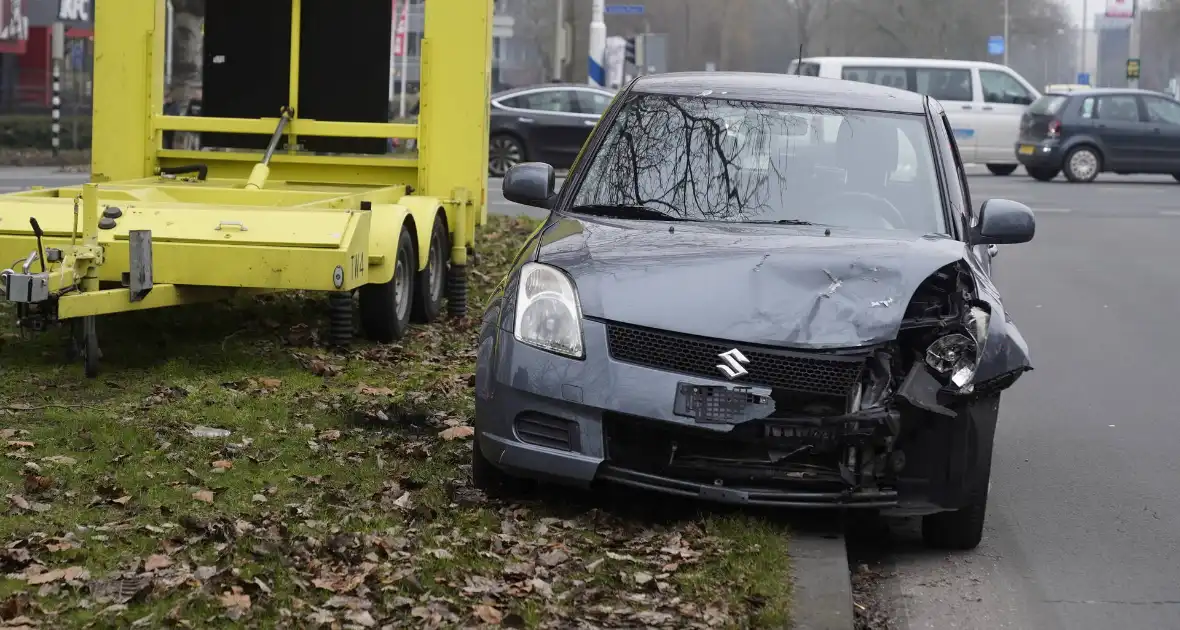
{"points": [[1042, 173], [1001, 169], [431, 284], [485, 476], [504, 152], [385, 308], [1082, 164], [959, 530]]}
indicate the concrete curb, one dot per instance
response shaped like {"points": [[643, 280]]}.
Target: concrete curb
{"points": [[822, 582]]}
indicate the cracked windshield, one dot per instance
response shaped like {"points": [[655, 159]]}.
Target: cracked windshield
{"points": [[589, 314]]}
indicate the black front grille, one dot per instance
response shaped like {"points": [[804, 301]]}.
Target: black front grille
{"points": [[808, 372]]}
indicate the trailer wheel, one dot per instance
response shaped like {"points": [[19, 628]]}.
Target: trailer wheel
{"points": [[385, 308], [431, 283]]}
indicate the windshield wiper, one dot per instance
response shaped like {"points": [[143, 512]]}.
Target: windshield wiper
{"points": [[623, 211], [786, 222]]}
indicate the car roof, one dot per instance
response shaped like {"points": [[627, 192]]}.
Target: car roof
{"points": [[548, 86], [1109, 91], [784, 88], [907, 61]]}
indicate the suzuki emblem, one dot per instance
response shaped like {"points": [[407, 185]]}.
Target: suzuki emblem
{"points": [[731, 363]]}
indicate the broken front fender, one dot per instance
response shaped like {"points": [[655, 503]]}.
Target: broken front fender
{"points": [[1005, 353]]}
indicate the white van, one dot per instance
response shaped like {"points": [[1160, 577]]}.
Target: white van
{"points": [[984, 101]]}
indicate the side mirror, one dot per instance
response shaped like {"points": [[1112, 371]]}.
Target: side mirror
{"points": [[1004, 222], [531, 184]]}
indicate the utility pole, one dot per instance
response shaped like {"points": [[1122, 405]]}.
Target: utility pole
{"points": [[1136, 41], [597, 74], [59, 52], [1082, 52], [559, 41], [1007, 44]]}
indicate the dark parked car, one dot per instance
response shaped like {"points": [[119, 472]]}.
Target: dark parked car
{"points": [[757, 289], [1084, 133], [545, 123]]}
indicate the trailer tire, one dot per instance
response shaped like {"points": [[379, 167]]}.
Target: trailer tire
{"points": [[385, 309], [431, 283]]}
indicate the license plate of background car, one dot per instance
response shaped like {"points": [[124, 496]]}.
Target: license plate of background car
{"points": [[1027, 149], [718, 404]]}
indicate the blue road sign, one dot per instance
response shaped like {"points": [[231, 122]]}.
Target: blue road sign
{"points": [[1083, 78], [995, 45], [624, 9]]}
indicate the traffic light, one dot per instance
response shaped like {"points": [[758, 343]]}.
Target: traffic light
{"points": [[629, 55]]}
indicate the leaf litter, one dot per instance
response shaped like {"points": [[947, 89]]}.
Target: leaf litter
{"points": [[230, 469]]}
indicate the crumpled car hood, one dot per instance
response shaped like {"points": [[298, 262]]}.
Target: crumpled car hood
{"points": [[759, 284]]}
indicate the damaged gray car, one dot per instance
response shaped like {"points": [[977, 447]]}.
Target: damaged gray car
{"points": [[757, 289]]}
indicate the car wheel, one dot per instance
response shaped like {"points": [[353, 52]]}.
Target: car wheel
{"points": [[960, 529], [1041, 173], [431, 283], [491, 480], [1082, 164], [504, 152], [1001, 169], [385, 307]]}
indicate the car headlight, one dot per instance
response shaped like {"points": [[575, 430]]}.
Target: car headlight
{"points": [[958, 354], [548, 315]]}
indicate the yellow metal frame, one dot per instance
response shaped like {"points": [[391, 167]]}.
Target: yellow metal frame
{"points": [[214, 237]]}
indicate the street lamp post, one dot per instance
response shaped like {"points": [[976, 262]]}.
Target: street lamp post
{"points": [[1007, 44]]}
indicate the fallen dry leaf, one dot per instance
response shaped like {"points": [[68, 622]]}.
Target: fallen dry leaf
{"points": [[203, 495], [456, 433], [374, 391], [157, 561], [223, 464], [270, 383], [488, 613], [236, 603]]}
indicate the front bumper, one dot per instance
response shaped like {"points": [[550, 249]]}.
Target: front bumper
{"points": [[1038, 153], [579, 422]]}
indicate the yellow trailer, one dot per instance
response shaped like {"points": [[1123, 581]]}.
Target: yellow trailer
{"points": [[159, 227]]}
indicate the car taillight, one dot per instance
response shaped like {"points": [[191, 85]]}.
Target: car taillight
{"points": [[1054, 128]]}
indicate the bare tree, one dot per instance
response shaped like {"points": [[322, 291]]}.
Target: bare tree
{"points": [[187, 49]]}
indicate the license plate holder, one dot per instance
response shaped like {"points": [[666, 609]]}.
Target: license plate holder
{"points": [[719, 404], [1027, 149]]}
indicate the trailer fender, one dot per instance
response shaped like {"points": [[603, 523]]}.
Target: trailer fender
{"points": [[384, 228], [423, 211]]}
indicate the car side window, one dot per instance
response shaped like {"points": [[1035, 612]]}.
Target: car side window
{"points": [[1001, 87], [944, 84], [1161, 110], [1088, 107], [1118, 107], [889, 77], [561, 101], [592, 102]]}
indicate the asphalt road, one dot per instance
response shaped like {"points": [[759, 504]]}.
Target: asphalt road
{"points": [[1084, 519]]}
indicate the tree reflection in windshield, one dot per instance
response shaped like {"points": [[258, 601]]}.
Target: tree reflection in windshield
{"points": [[713, 159]]}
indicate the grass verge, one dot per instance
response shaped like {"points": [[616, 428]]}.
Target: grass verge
{"points": [[72, 160], [227, 470]]}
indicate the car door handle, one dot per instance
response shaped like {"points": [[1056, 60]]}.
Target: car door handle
{"points": [[988, 108], [1158, 130], [525, 120], [591, 123], [966, 107]]}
